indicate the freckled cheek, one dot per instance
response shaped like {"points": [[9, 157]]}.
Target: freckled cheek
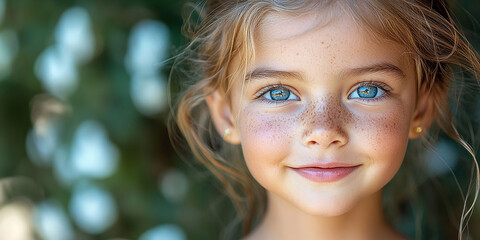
{"points": [[386, 136], [266, 138]]}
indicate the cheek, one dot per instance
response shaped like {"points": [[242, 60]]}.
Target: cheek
{"points": [[394, 129], [384, 137], [383, 131], [266, 138]]}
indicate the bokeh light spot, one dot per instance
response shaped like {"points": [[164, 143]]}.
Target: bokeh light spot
{"points": [[92, 208], [42, 141], [164, 232], [74, 33], [174, 185], [8, 51], [148, 46], [15, 221], [51, 222], [56, 69], [441, 158], [149, 93], [92, 154]]}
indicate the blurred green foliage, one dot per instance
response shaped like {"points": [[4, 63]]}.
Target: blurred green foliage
{"points": [[102, 95]]}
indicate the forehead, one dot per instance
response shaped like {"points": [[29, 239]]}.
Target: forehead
{"points": [[329, 38], [286, 25]]}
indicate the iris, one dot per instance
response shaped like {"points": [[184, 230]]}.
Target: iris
{"points": [[280, 94], [367, 92]]}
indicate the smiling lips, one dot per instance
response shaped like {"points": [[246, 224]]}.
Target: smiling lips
{"points": [[326, 173]]}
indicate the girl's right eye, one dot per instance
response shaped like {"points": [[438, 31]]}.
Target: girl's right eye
{"points": [[277, 94]]}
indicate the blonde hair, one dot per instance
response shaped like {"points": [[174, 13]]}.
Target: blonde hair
{"points": [[227, 30]]}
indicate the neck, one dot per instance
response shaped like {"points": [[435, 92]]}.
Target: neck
{"points": [[365, 221]]}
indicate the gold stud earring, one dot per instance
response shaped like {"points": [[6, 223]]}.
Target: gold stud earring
{"points": [[227, 133], [418, 130]]}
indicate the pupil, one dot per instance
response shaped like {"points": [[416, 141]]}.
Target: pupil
{"points": [[279, 94], [367, 92]]}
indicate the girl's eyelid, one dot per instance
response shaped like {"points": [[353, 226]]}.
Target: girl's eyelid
{"points": [[262, 91], [383, 86]]}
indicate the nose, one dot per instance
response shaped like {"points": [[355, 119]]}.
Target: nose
{"points": [[325, 138], [325, 126]]}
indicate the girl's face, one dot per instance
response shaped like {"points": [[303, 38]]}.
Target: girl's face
{"points": [[326, 114]]}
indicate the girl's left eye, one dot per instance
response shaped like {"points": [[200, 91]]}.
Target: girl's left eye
{"points": [[367, 92], [278, 94]]}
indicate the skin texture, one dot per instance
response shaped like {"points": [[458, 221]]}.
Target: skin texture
{"points": [[324, 59]]}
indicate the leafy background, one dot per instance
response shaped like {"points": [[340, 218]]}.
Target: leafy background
{"points": [[84, 149]]}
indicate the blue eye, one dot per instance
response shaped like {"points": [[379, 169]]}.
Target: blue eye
{"points": [[368, 91], [279, 94]]}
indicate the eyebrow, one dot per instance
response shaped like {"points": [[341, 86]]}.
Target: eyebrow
{"points": [[378, 67], [262, 73]]}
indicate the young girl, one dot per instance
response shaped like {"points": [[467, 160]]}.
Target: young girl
{"points": [[314, 103]]}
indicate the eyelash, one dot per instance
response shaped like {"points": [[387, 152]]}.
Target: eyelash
{"points": [[385, 88], [261, 93]]}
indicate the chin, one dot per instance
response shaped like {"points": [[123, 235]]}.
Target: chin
{"points": [[329, 209]]}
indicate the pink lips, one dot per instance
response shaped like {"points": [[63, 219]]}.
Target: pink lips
{"points": [[326, 173]]}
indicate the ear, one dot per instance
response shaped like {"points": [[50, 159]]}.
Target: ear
{"points": [[424, 114], [222, 117]]}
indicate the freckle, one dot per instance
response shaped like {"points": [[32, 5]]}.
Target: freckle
{"points": [[298, 53], [323, 42]]}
